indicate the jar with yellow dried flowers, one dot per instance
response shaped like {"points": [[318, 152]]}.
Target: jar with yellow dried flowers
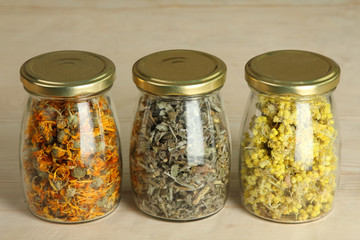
{"points": [[290, 141], [70, 147]]}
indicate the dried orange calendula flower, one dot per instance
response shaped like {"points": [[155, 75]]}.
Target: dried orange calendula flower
{"points": [[71, 159]]}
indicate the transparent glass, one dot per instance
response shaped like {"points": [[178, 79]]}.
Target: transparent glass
{"points": [[289, 157], [180, 156], [70, 158]]}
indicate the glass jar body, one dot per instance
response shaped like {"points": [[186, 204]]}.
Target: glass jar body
{"points": [[289, 157], [70, 158], [180, 156]]}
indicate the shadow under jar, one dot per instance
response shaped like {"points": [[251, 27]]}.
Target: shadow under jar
{"points": [[70, 148], [180, 145], [290, 141]]}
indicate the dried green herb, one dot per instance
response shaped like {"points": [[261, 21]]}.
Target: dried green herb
{"points": [[180, 157]]}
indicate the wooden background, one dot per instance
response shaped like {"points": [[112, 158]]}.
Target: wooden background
{"points": [[124, 31]]}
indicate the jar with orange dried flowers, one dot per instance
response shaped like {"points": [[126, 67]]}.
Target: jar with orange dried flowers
{"points": [[70, 147]]}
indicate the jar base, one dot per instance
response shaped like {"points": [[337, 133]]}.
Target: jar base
{"points": [[288, 221], [75, 222], [179, 220]]}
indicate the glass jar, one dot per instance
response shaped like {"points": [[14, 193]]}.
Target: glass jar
{"points": [[180, 145], [70, 147], [290, 140]]}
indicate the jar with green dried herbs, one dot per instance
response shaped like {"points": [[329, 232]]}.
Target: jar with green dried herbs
{"points": [[290, 142], [70, 148], [180, 145]]}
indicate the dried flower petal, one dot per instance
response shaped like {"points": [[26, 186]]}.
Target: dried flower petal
{"points": [[61, 122]]}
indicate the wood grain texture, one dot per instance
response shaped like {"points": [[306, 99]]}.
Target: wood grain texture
{"points": [[127, 30]]}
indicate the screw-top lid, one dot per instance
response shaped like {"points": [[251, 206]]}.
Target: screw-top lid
{"points": [[179, 72], [67, 74], [292, 72]]}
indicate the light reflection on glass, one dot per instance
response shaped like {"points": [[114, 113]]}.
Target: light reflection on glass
{"points": [[87, 140], [304, 134], [195, 138]]}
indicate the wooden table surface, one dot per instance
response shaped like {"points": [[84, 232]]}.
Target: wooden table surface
{"points": [[124, 31]]}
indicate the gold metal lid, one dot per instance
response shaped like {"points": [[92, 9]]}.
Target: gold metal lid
{"points": [[292, 72], [179, 72], [67, 74]]}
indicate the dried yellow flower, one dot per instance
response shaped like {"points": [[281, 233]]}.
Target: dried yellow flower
{"points": [[289, 159]]}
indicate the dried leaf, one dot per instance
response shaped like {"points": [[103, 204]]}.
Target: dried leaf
{"points": [[180, 157], [79, 172], [174, 170]]}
